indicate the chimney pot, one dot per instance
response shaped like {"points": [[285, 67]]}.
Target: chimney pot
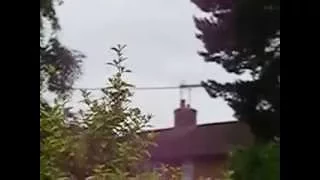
{"points": [[182, 103], [185, 115]]}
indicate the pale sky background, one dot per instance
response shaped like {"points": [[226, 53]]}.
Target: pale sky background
{"points": [[162, 51]]}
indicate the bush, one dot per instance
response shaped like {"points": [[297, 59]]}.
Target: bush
{"points": [[259, 162]]}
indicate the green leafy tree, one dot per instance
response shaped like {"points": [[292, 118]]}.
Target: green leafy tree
{"points": [[115, 142], [243, 36], [59, 67], [107, 142], [52, 141]]}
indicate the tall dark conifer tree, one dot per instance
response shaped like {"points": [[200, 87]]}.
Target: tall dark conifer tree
{"points": [[59, 65], [243, 36]]}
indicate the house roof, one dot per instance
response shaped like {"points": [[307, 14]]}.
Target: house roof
{"points": [[197, 141]]}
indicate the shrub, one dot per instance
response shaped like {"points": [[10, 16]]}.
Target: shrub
{"points": [[259, 162]]}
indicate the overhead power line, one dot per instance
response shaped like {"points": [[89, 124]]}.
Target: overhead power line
{"points": [[184, 86], [181, 87]]}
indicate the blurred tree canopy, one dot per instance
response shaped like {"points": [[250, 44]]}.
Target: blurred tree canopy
{"points": [[104, 141], [59, 65], [243, 36]]}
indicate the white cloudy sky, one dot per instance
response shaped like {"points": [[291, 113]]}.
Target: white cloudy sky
{"points": [[161, 50]]}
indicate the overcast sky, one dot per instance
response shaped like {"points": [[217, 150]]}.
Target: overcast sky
{"points": [[162, 51]]}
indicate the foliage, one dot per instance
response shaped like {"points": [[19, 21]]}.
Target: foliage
{"points": [[59, 65], [113, 126], [164, 173], [105, 142], [52, 141], [259, 162], [169, 172], [244, 37]]}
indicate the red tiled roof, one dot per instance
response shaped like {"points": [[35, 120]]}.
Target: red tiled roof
{"points": [[202, 140]]}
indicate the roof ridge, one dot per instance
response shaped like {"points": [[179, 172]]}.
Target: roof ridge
{"points": [[199, 125], [218, 123]]}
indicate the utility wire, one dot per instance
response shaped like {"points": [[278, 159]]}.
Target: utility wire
{"points": [[184, 86]]}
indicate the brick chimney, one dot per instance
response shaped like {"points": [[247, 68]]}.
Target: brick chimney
{"points": [[185, 116]]}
